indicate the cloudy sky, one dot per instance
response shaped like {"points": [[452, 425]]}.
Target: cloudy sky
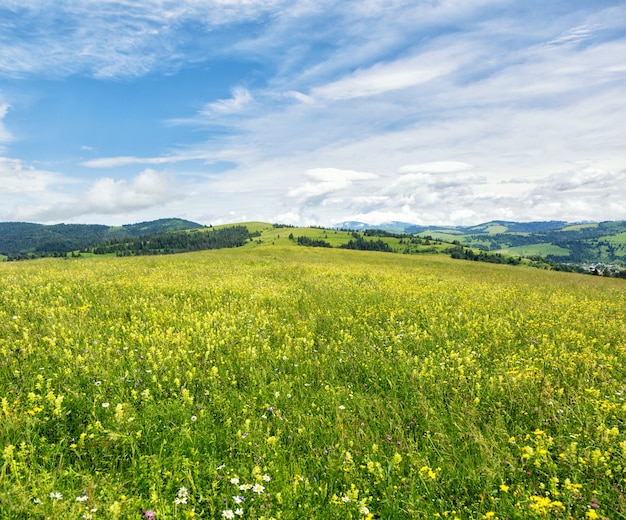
{"points": [[312, 111]]}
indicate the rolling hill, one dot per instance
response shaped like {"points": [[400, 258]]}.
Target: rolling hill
{"points": [[551, 244], [559, 241], [24, 238]]}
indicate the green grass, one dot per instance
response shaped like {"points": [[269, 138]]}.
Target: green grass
{"points": [[280, 236], [348, 384], [447, 236], [578, 227], [619, 239], [494, 229], [535, 249]]}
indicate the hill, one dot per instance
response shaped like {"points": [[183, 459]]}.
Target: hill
{"points": [[28, 239], [594, 247], [558, 241]]}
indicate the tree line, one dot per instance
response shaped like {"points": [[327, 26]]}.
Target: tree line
{"points": [[179, 242]]}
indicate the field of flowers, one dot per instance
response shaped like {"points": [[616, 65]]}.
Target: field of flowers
{"points": [[292, 383]]}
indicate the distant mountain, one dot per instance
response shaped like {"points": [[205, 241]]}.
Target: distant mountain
{"points": [[494, 226], [515, 227], [392, 227], [23, 238], [353, 225]]}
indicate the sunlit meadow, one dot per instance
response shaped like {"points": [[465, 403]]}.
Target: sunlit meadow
{"points": [[293, 383]]}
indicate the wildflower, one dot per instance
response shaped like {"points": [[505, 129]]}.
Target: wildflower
{"points": [[194, 418], [149, 514], [504, 488], [36, 501], [345, 499], [181, 498], [228, 513], [245, 487], [239, 511], [106, 405], [364, 510], [266, 478], [342, 407], [238, 499], [234, 480], [82, 498], [56, 496], [258, 488]]}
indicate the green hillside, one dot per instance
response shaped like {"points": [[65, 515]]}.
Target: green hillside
{"points": [[22, 239], [544, 250], [546, 243], [603, 242]]}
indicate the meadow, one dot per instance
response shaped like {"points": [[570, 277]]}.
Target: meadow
{"points": [[290, 383]]}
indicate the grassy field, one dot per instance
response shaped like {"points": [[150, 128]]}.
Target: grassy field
{"points": [[535, 249], [294, 383], [619, 239]]}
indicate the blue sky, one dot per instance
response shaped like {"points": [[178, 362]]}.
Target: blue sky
{"points": [[312, 111]]}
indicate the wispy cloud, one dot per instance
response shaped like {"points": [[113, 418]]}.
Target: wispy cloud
{"points": [[241, 98], [386, 77], [114, 162], [5, 135], [575, 35], [327, 181], [116, 38]]}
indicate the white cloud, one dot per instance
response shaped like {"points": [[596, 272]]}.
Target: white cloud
{"points": [[575, 35], [333, 174], [436, 167], [149, 188], [5, 135], [16, 178], [386, 77], [241, 97], [105, 197], [327, 180], [113, 162], [299, 96]]}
